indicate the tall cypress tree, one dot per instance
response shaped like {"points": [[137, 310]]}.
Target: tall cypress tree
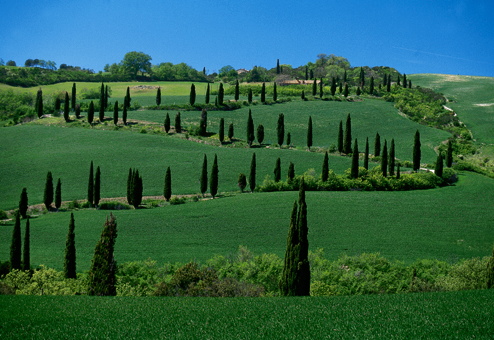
{"points": [[208, 94], [237, 90], [102, 275], [314, 87], [275, 92], [115, 113], [90, 186], [438, 169], [102, 105], [371, 86], [192, 96], [384, 159], [252, 174], [377, 145], [158, 96], [280, 129], [69, 265], [362, 77], [204, 176], [295, 278], [90, 113], [26, 251], [325, 168], [333, 86], [449, 154], [309, 133], [23, 203], [340, 137], [366, 154], [249, 96], [130, 177], [167, 191], [231, 132], [16, 244], [48, 194], [242, 182], [278, 70], [291, 172], [137, 189], [203, 124], [302, 95], [213, 184], [277, 170], [166, 123], [260, 134], [221, 132], [74, 94], [392, 157], [39, 103], [345, 91], [388, 84], [58, 195], [355, 154], [398, 81], [321, 85], [97, 186], [405, 83], [263, 93], [306, 72], [347, 138], [250, 129], [124, 115], [66, 107], [127, 99], [221, 95], [288, 139], [416, 151], [178, 123]]}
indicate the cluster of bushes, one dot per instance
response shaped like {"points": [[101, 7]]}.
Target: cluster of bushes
{"points": [[15, 107], [246, 274], [368, 180]]}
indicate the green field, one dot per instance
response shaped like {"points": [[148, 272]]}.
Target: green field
{"points": [[446, 224], [454, 315]]}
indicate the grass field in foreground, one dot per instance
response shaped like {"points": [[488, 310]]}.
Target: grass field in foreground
{"points": [[453, 315], [447, 224]]}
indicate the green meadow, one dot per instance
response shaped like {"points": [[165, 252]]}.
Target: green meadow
{"points": [[453, 315]]}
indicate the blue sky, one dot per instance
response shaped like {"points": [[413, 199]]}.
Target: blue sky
{"points": [[429, 36]]}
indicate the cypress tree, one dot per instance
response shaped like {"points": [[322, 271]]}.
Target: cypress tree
{"points": [[295, 278], [333, 86], [409, 84], [288, 139], [69, 265], [309, 133], [340, 137], [115, 113], [344, 77], [237, 90], [275, 92], [366, 154], [345, 91], [398, 175], [306, 73], [208, 94], [158, 96], [416, 151], [203, 124], [129, 186], [263, 93], [250, 129], [490, 271], [405, 83], [102, 275], [314, 87], [311, 74], [124, 115], [340, 88], [127, 99], [66, 107], [178, 123], [90, 113], [280, 129], [371, 86], [102, 105], [23, 203], [302, 96], [221, 95], [97, 186], [192, 96], [57, 104], [384, 159], [249, 96], [73, 98], [358, 92], [16, 244], [277, 170], [449, 154], [321, 92], [438, 169], [231, 132], [242, 182], [166, 123], [362, 77], [39, 103], [355, 154], [325, 168], [58, 195], [278, 70], [392, 158], [137, 189], [167, 191], [204, 176], [398, 81], [388, 84], [291, 172], [385, 79], [48, 194], [213, 181], [221, 132], [90, 186], [347, 137], [260, 134], [26, 251], [377, 145], [77, 111], [252, 174]]}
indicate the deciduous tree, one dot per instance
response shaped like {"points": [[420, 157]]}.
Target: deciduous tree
{"points": [[134, 62]]}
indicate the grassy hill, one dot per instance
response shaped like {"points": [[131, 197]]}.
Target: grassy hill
{"points": [[425, 315]]}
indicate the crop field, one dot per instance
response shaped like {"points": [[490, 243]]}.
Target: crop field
{"points": [[450, 315], [447, 224]]}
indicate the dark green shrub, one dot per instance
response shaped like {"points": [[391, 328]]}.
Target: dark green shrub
{"points": [[113, 205], [178, 200]]}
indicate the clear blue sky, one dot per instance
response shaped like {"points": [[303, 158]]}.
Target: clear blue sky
{"points": [[429, 36]]}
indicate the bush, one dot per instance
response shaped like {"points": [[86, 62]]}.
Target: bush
{"points": [[3, 215], [177, 200], [113, 205]]}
